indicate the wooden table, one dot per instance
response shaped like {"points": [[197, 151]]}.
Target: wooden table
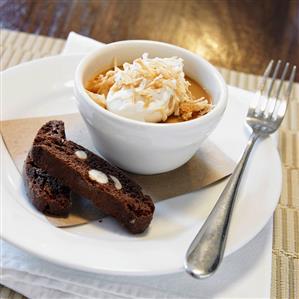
{"points": [[241, 35]]}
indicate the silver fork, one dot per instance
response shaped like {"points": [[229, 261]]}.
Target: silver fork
{"points": [[264, 117]]}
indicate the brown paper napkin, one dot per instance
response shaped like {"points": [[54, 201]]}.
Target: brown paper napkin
{"points": [[208, 165]]}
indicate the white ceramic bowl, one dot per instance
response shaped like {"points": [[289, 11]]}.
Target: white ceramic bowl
{"points": [[147, 148]]}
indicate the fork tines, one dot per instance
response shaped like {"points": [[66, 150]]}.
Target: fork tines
{"points": [[271, 92]]}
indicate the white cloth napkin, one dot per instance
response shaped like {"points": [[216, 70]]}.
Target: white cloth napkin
{"points": [[244, 274]]}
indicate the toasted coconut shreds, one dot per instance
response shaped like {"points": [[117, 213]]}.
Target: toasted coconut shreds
{"points": [[115, 63], [145, 75], [190, 110], [101, 84]]}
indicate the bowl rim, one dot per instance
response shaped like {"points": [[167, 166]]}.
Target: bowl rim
{"points": [[79, 86]]}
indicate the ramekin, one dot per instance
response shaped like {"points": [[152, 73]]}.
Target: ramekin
{"points": [[139, 147]]}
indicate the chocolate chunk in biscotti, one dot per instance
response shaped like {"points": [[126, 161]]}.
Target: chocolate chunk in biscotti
{"points": [[47, 194], [90, 176]]}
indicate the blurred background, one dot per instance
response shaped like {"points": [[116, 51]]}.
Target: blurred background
{"points": [[242, 35]]}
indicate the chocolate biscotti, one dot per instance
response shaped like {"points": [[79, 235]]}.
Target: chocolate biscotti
{"points": [[45, 191], [47, 194], [90, 176]]}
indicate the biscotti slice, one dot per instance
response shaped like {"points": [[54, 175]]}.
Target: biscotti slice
{"points": [[90, 176], [47, 194], [51, 129]]}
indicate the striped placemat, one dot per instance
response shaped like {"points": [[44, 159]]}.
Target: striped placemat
{"points": [[18, 47]]}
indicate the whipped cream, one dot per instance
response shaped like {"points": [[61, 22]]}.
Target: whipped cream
{"points": [[149, 96], [148, 90], [129, 103]]}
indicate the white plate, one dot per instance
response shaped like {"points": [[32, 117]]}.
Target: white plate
{"points": [[44, 87]]}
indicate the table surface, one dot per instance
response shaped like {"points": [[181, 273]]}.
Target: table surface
{"points": [[240, 35]]}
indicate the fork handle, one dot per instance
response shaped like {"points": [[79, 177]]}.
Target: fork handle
{"points": [[206, 251]]}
